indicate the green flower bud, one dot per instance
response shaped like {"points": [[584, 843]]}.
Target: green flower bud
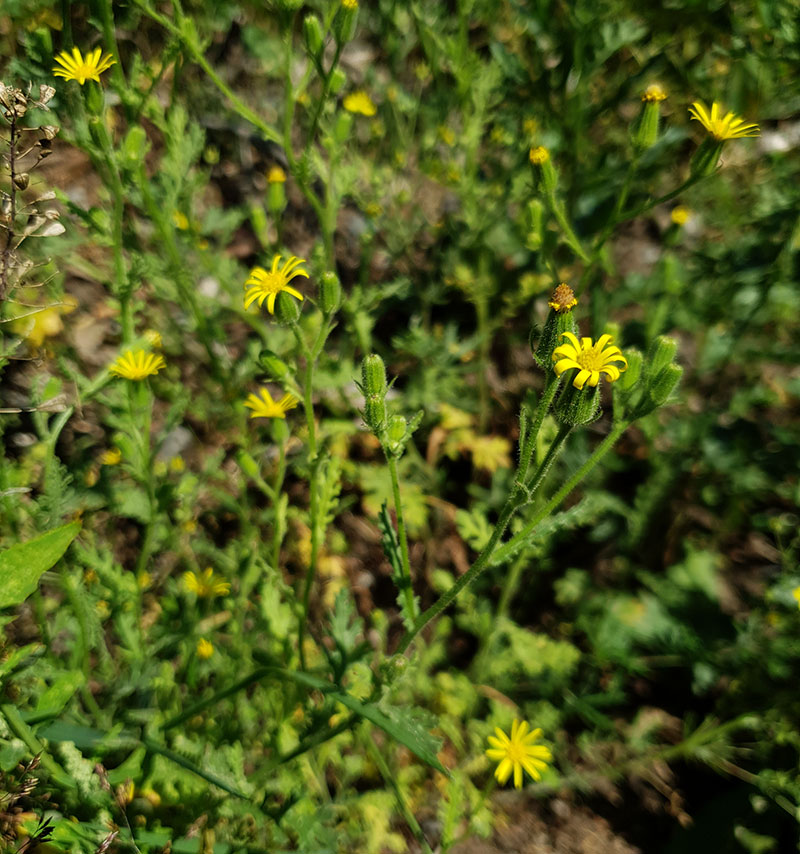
{"points": [[344, 25], [662, 353], [664, 384], [375, 413], [338, 79], [645, 130], [247, 464], [134, 148], [312, 35], [373, 376], [545, 176], [559, 320], [630, 377], [575, 407], [396, 431], [275, 367], [276, 198], [287, 309], [343, 126], [330, 293], [705, 159], [534, 222]]}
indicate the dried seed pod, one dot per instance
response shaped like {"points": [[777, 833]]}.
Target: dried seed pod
{"points": [[49, 131], [22, 179], [45, 94]]}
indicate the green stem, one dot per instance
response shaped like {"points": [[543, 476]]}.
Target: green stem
{"points": [[600, 451], [552, 452], [411, 606], [484, 341], [391, 780], [532, 433], [23, 732], [569, 235]]}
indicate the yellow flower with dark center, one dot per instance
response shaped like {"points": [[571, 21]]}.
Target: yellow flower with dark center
{"points": [[264, 406], [267, 284], [517, 753], [654, 93], [137, 365], [563, 298], [589, 359], [360, 102], [276, 175], [539, 155], [207, 585], [205, 649], [722, 127], [75, 66]]}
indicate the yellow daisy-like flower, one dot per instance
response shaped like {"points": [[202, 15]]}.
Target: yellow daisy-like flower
{"points": [[518, 753], [267, 284], [654, 92], [205, 649], [539, 155], [796, 594], [360, 102], [722, 127], [264, 406], [591, 360], [207, 585], [137, 365], [563, 298], [111, 457], [75, 66], [680, 215]]}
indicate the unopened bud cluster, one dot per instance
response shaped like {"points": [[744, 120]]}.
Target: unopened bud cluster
{"points": [[374, 387]]}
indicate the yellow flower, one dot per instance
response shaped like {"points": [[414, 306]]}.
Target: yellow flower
{"points": [[539, 155], [590, 360], [177, 465], [654, 93], [181, 220], [75, 66], [351, 5], [563, 298], [680, 215], [721, 128], [276, 175], [518, 753], [796, 594], [111, 457], [36, 324], [207, 585], [265, 407], [360, 102], [205, 649], [267, 284], [136, 365]]}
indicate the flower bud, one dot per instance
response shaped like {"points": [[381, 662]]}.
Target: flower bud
{"points": [[373, 376], [330, 293], [559, 320], [343, 126], [275, 367], [574, 407], [375, 413], [645, 130], [312, 35], [545, 176], [338, 79], [534, 222], [287, 309], [247, 464], [630, 377], [344, 25], [662, 353], [705, 159], [662, 386], [396, 431], [276, 192]]}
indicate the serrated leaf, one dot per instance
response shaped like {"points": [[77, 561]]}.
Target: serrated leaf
{"points": [[345, 624], [474, 528], [22, 565]]}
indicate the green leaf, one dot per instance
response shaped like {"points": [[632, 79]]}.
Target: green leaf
{"points": [[23, 564]]}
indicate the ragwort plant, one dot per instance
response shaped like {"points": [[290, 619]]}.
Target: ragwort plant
{"points": [[201, 620]]}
